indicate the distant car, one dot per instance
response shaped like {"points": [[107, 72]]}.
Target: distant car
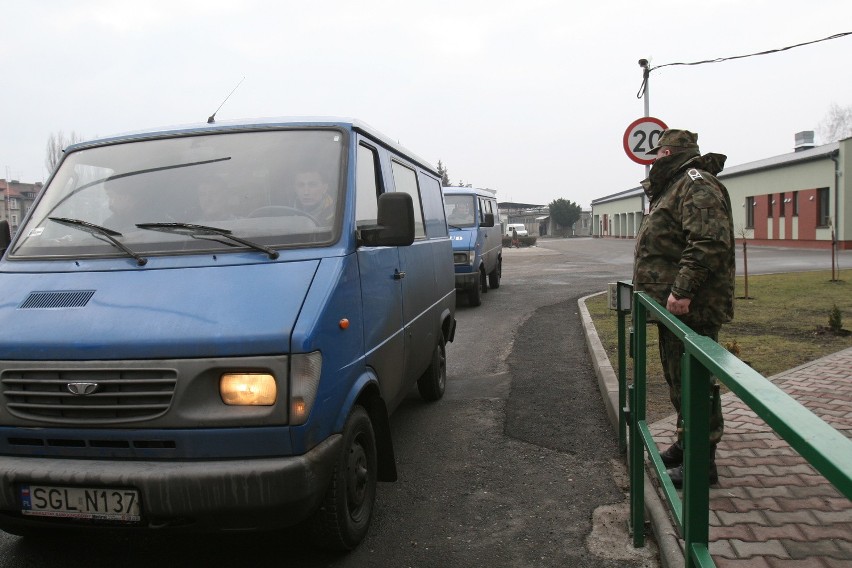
{"points": [[519, 228]]}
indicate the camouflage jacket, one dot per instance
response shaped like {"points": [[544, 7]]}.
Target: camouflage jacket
{"points": [[686, 243]]}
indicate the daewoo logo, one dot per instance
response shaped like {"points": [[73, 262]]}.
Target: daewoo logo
{"points": [[82, 389]]}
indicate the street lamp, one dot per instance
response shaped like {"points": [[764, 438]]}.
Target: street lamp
{"points": [[646, 72]]}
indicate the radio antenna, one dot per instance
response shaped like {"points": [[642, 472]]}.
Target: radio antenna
{"points": [[212, 118]]}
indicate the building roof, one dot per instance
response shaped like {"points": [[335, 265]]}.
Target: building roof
{"points": [[620, 195], [811, 154], [816, 153], [17, 189]]}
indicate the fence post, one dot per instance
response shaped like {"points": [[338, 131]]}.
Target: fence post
{"points": [[622, 381], [695, 381], [622, 309], [636, 457]]}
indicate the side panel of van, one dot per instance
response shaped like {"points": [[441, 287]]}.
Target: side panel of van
{"points": [[491, 243], [410, 275], [380, 268]]}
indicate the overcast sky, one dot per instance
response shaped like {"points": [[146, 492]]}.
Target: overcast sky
{"points": [[530, 97]]}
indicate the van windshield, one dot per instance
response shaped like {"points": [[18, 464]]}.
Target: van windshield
{"points": [[460, 210], [276, 189]]}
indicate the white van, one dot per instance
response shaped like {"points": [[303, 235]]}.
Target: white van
{"points": [[519, 227]]}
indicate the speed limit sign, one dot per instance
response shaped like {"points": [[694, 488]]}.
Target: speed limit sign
{"points": [[641, 136]]}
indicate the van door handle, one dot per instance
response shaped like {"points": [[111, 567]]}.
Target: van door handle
{"points": [[397, 275]]}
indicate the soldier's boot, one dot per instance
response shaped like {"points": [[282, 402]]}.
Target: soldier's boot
{"points": [[673, 456], [676, 473]]}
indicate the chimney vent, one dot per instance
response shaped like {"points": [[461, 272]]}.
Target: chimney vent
{"points": [[804, 140]]}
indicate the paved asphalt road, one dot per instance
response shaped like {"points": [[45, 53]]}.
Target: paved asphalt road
{"points": [[516, 467]]}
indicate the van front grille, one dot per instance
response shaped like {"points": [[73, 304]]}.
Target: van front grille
{"points": [[88, 396], [59, 299]]}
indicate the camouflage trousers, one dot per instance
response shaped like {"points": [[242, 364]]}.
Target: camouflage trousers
{"points": [[671, 352]]}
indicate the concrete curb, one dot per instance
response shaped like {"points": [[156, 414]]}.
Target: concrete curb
{"points": [[668, 541]]}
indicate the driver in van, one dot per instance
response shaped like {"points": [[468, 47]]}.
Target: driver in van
{"points": [[313, 196], [124, 202], [217, 201], [461, 213]]}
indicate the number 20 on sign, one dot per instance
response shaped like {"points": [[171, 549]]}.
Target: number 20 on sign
{"points": [[641, 136]]}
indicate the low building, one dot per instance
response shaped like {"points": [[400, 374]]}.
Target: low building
{"points": [[539, 223], [801, 199], [17, 198], [526, 213]]}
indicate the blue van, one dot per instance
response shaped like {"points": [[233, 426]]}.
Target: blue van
{"points": [[207, 327], [474, 222]]}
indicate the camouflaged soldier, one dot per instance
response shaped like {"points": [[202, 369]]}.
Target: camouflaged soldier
{"points": [[685, 261]]}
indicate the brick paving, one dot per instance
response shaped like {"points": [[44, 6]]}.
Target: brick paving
{"points": [[771, 508]]}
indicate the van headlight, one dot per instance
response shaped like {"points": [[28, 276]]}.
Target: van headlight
{"points": [[305, 371], [248, 389], [462, 257]]}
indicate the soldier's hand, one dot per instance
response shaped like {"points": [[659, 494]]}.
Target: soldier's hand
{"points": [[678, 306]]}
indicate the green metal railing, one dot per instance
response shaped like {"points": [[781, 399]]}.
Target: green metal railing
{"points": [[826, 449]]}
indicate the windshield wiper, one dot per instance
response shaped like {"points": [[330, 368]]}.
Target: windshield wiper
{"points": [[203, 231], [98, 231], [453, 226]]}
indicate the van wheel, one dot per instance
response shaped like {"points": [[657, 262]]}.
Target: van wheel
{"points": [[483, 280], [434, 381], [44, 533], [496, 274], [343, 519], [474, 294]]}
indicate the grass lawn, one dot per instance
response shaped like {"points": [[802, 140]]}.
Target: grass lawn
{"points": [[783, 324]]}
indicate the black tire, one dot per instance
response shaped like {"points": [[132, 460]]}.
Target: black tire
{"points": [[434, 381], [343, 519], [495, 275], [483, 280], [474, 295]]}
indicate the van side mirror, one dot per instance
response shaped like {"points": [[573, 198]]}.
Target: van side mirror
{"points": [[5, 236], [395, 222], [488, 221]]}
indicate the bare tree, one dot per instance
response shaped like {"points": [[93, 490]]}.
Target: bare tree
{"points": [[56, 144], [837, 124]]}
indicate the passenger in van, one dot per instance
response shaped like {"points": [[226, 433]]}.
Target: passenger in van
{"points": [[313, 196], [215, 201], [125, 204]]}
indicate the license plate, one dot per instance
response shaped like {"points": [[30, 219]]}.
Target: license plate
{"points": [[96, 503]]}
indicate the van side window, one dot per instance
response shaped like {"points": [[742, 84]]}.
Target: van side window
{"points": [[486, 207], [366, 187], [406, 180], [433, 205]]}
